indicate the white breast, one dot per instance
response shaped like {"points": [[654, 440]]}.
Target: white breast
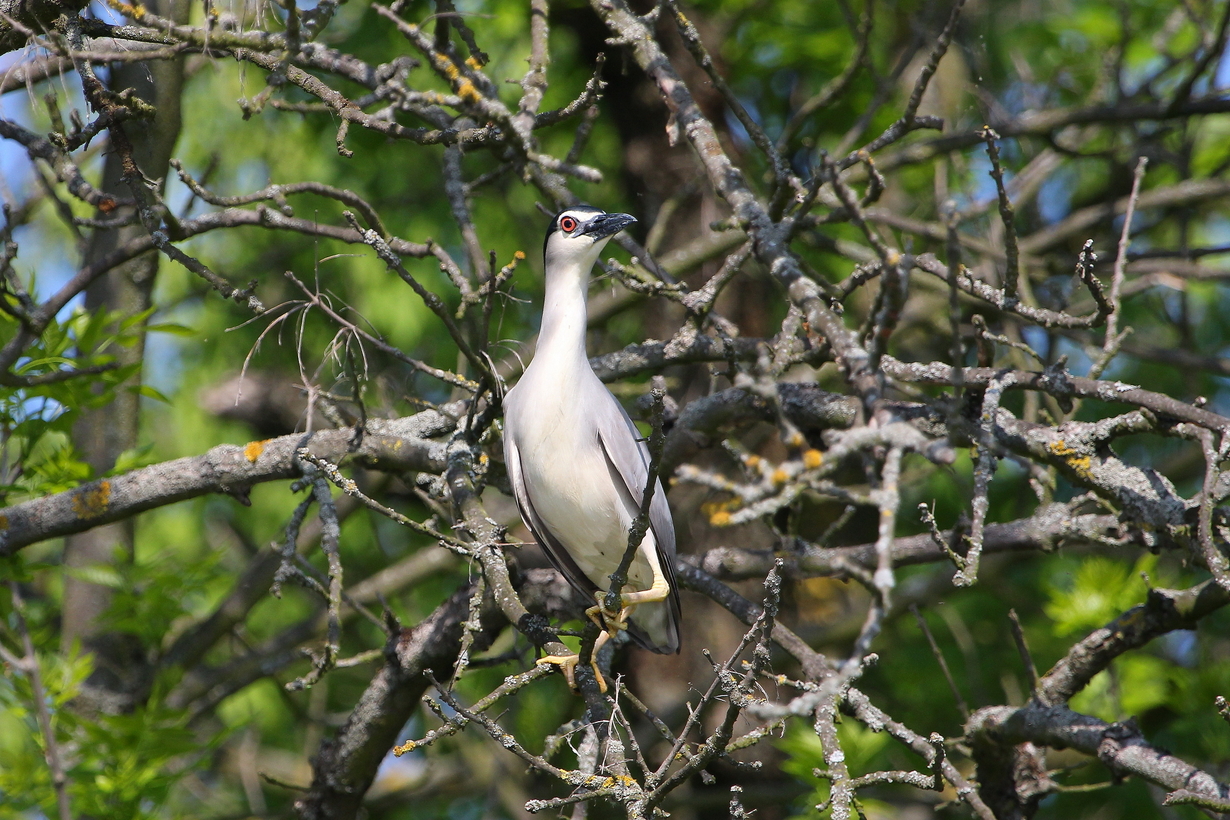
{"points": [[567, 477]]}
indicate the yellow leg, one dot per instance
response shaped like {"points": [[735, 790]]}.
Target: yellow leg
{"points": [[599, 642], [568, 665], [660, 590], [610, 623]]}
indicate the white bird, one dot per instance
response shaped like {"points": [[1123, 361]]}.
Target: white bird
{"points": [[578, 465]]}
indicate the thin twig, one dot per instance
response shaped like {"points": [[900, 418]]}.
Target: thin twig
{"points": [[939, 657], [1022, 647], [640, 526], [1110, 345], [1007, 217], [29, 666]]}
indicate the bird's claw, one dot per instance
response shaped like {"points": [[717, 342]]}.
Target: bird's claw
{"points": [[608, 621], [568, 665], [611, 623]]}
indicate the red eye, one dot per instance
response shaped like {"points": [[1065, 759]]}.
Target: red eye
{"points": [[567, 224]]}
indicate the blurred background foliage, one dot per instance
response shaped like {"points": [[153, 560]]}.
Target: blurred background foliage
{"points": [[173, 760]]}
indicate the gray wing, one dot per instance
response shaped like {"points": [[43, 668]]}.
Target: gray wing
{"points": [[628, 457]]}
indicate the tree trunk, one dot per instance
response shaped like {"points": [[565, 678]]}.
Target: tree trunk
{"points": [[103, 433]]}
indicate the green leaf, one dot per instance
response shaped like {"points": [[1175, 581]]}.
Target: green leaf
{"points": [[150, 393], [90, 330], [44, 364], [133, 459], [104, 575], [171, 328], [52, 465], [130, 323]]}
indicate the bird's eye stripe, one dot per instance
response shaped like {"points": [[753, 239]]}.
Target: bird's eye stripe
{"points": [[568, 224]]}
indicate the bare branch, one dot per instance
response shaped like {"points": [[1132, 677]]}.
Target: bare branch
{"points": [[401, 444]]}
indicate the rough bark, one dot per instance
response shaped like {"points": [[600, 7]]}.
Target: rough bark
{"points": [[102, 434]]}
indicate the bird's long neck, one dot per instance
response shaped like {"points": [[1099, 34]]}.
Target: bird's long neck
{"points": [[561, 339]]}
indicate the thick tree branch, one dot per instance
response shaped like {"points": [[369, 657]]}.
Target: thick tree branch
{"points": [[400, 445], [346, 764], [1047, 530], [1051, 120], [1165, 610], [1119, 746]]}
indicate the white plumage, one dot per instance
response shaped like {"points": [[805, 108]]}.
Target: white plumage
{"points": [[575, 460]]}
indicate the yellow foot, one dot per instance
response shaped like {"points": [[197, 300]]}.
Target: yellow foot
{"points": [[609, 622], [568, 665]]}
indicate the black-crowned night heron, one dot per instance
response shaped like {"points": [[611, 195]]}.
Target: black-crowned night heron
{"points": [[578, 465]]}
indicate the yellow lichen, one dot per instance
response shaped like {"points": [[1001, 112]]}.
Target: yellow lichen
{"points": [[92, 500], [408, 746], [796, 440], [753, 462], [1081, 466], [519, 255], [780, 476], [812, 459], [474, 62], [1060, 447], [253, 449], [467, 91], [719, 511]]}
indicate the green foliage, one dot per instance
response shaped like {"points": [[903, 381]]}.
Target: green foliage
{"points": [[36, 419], [189, 557], [117, 765], [25, 779], [1136, 684], [863, 749], [133, 775], [153, 593], [1097, 591]]}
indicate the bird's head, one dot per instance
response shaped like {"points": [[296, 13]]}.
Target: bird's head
{"points": [[578, 234]]}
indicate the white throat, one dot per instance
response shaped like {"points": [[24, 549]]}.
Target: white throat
{"points": [[561, 338]]}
